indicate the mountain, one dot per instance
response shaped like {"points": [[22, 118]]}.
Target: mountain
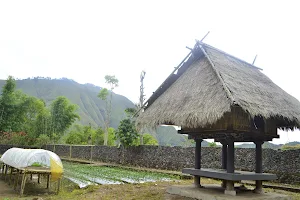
{"points": [[168, 136], [90, 108], [269, 145]]}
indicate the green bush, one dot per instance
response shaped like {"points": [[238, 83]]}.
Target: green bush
{"points": [[42, 140]]}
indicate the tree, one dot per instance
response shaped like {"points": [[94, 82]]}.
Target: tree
{"points": [[63, 115], [18, 111], [148, 139], [212, 144], [43, 123], [127, 133], [8, 105], [113, 82]]}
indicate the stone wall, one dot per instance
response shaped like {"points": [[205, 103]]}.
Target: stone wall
{"points": [[286, 164]]}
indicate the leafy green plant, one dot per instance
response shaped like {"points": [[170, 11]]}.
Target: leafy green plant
{"points": [[35, 164], [212, 144], [127, 134], [42, 140]]}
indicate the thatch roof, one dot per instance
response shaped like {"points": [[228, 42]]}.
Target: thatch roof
{"points": [[208, 84]]}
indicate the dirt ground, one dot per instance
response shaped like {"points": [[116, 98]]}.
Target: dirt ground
{"points": [[145, 191], [34, 191]]}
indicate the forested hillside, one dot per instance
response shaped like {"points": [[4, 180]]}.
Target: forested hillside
{"points": [[91, 108]]}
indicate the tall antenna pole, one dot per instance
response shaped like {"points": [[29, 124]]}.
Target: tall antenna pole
{"points": [[205, 36], [142, 98], [254, 60]]}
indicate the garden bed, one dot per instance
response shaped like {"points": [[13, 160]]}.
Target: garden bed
{"points": [[87, 174]]}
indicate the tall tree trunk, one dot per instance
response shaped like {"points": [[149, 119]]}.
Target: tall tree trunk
{"points": [[107, 121]]}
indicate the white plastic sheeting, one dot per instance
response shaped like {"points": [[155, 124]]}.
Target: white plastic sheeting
{"points": [[21, 158]]}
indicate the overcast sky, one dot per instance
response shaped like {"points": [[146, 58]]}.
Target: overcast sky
{"points": [[86, 40]]}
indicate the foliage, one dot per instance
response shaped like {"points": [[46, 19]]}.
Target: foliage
{"points": [[25, 120], [127, 133], [130, 111], [63, 114], [113, 82], [88, 135], [83, 95], [15, 138], [103, 94], [212, 144], [289, 147], [148, 139], [74, 138], [42, 140]]}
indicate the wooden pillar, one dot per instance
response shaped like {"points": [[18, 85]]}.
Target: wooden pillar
{"points": [[58, 185], [39, 178], [224, 155], [224, 160], [6, 170], [258, 165], [230, 168], [48, 182], [23, 183], [10, 175], [197, 161]]}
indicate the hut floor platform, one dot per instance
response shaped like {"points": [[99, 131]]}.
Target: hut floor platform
{"points": [[209, 192], [224, 175]]}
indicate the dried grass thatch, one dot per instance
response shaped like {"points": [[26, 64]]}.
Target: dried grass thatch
{"points": [[210, 85]]}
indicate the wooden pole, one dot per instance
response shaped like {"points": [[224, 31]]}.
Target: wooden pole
{"points": [[205, 36], [197, 161], [258, 165], [23, 183], [224, 160], [142, 98], [48, 182], [230, 167]]}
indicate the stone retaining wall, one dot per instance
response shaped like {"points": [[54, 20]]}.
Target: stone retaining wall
{"points": [[286, 164]]}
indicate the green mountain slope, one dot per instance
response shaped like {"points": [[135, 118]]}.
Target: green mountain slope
{"points": [[90, 108]]}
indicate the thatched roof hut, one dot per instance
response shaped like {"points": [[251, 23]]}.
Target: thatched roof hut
{"points": [[214, 90]]}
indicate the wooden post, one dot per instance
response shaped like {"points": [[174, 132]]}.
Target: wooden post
{"points": [[39, 178], [230, 168], [23, 183], [17, 179], [6, 169], [70, 155], [258, 165], [48, 182], [58, 185], [197, 161], [224, 160], [3, 168], [10, 175], [91, 152]]}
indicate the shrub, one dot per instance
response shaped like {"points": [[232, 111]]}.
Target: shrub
{"points": [[42, 140]]}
